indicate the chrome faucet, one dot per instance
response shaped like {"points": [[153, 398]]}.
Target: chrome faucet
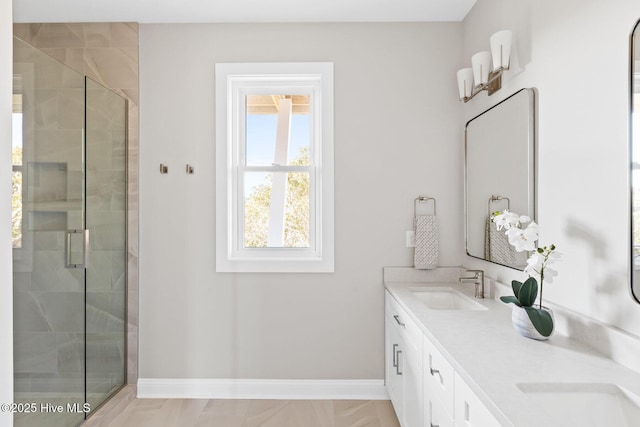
{"points": [[478, 279]]}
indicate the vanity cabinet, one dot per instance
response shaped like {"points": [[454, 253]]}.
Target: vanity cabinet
{"points": [[403, 364], [423, 385], [469, 410], [439, 389]]}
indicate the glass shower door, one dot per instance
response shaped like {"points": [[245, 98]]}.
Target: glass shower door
{"points": [[48, 239], [106, 222], [69, 244]]}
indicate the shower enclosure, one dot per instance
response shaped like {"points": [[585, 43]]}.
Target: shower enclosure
{"points": [[69, 241]]}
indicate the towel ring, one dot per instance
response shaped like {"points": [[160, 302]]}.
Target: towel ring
{"points": [[422, 199], [495, 199]]}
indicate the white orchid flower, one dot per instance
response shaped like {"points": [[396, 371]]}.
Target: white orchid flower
{"points": [[506, 220], [523, 240]]}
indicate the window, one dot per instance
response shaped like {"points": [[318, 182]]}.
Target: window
{"points": [[274, 167]]}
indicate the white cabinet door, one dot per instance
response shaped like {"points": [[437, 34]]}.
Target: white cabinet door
{"points": [[435, 413], [403, 364], [393, 367], [413, 401], [469, 410]]}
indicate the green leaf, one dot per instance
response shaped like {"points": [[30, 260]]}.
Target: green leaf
{"points": [[510, 299], [515, 285], [541, 320], [528, 292]]}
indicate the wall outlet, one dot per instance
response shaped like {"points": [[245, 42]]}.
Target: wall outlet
{"points": [[411, 239]]}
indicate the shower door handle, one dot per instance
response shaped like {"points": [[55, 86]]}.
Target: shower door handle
{"points": [[69, 261]]}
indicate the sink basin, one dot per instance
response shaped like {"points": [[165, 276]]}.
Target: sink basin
{"points": [[444, 298], [586, 404]]}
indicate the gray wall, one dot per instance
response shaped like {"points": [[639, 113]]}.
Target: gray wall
{"points": [[397, 135]]}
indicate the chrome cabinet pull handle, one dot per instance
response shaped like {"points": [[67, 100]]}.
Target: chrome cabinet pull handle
{"points": [[398, 366], [395, 316]]}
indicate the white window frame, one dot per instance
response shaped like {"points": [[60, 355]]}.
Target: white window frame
{"points": [[234, 81]]}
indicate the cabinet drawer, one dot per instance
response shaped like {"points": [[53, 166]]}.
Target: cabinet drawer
{"points": [[407, 328], [469, 410], [438, 376], [436, 415]]}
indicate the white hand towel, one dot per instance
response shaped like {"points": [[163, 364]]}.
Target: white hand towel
{"points": [[426, 251]]}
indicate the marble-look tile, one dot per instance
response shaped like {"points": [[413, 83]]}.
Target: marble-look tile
{"points": [[98, 272], [59, 35], [132, 337], [48, 240], [64, 311], [71, 57], [70, 109], [97, 34], [105, 355], [71, 352], [105, 312], [21, 282], [24, 31], [132, 96], [21, 383], [118, 151], [118, 272], [107, 231], [50, 275], [45, 104], [124, 34], [27, 314], [61, 146], [69, 383], [51, 74], [46, 181], [132, 267], [113, 67], [35, 352], [105, 193]]}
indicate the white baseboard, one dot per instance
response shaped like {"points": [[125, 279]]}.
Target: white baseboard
{"points": [[190, 388]]}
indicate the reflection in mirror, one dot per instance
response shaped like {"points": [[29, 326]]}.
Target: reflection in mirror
{"points": [[634, 155], [499, 175]]}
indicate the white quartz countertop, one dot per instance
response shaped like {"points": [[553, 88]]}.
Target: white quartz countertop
{"points": [[492, 358]]}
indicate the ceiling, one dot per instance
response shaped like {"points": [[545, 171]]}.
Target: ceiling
{"points": [[187, 11]]}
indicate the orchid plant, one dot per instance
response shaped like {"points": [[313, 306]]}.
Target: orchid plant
{"points": [[523, 238]]}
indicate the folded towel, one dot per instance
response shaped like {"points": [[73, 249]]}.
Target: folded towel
{"points": [[497, 247], [426, 251]]}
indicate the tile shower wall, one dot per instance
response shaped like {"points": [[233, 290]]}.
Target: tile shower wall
{"points": [[108, 54]]}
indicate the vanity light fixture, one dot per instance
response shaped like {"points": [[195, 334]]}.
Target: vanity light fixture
{"points": [[482, 75]]}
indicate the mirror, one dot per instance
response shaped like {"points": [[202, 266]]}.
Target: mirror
{"points": [[634, 155], [499, 175]]}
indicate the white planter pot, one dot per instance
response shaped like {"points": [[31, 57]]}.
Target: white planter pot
{"points": [[523, 325]]}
